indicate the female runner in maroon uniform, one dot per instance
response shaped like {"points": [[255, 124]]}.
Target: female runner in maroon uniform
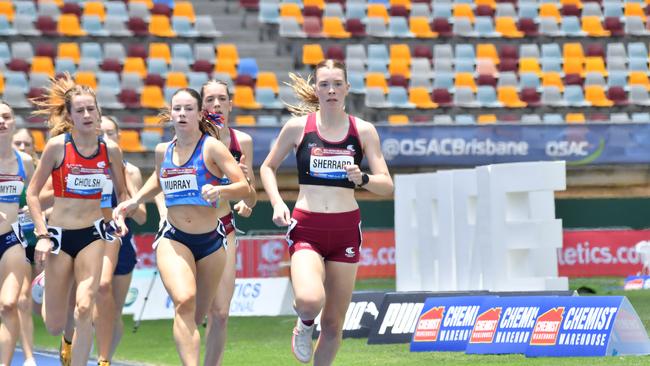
{"points": [[324, 230], [218, 104], [72, 242]]}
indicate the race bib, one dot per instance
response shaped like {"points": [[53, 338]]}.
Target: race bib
{"points": [[25, 221], [85, 181], [10, 188], [329, 163], [179, 182], [107, 190]]}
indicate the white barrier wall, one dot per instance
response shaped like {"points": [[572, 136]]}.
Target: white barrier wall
{"points": [[489, 228]]}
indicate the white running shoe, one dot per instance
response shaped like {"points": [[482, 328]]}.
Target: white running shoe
{"points": [[301, 343], [29, 362], [37, 288]]}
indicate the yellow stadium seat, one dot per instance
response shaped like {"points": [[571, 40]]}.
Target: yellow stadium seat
{"points": [[267, 79], [463, 11], [43, 65], [400, 51], [595, 94], [176, 80], [227, 51], [152, 97], [550, 10], [376, 80], [507, 27], [135, 65], [465, 80], [573, 66], [639, 78], [130, 141], [69, 26], [2, 83], [152, 124], [633, 9], [69, 50], [485, 119], [317, 3], [593, 27], [160, 50], [487, 50], [184, 9], [7, 9], [527, 64], [95, 8], [509, 97], [398, 119], [148, 3], [333, 28], [575, 118], [39, 139], [573, 50], [291, 10], [553, 79], [400, 67], [312, 54], [86, 78], [245, 120], [421, 98], [244, 98], [159, 26], [595, 64], [378, 11], [227, 66], [420, 27]]}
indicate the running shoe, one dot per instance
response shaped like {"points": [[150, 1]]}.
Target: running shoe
{"points": [[65, 352], [301, 343], [29, 362]]}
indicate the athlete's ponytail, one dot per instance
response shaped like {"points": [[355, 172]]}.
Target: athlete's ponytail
{"points": [[56, 103], [304, 89]]}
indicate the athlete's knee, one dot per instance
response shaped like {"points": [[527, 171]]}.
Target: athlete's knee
{"points": [[331, 327], [83, 310], [24, 303], [185, 304], [55, 325], [219, 315], [8, 307], [105, 288], [309, 305]]}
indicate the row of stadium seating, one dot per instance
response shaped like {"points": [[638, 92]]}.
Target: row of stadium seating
{"points": [[100, 9]]}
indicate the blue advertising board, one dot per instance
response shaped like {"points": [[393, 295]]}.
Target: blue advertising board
{"points": [[637, 282], [462, 145], [446, 323]]}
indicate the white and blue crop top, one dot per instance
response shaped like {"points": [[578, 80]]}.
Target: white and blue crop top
{"points": [[182, 184], [11, 185]]}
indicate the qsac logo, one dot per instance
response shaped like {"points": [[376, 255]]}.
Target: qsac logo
{"points": [[101, 164], [486, 326], [350, 148], [547, 327], [272, 251], [429, 325], [349, 252]]}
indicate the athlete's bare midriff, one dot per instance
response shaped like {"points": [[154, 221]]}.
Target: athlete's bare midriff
{"points": [[74, 213], [326, 199], [193, 219]]}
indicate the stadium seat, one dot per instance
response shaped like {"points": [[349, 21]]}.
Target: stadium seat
{"points": [[244, 98], [135, 65], [159, 26], [333, 28], [592, 26], [398, 119], [205, 27], [152, 97], [529, 65], [575, 118], [184, 28], [376, 80], [176, 80], [421, 99], [245, 120], [617, 95], [68, 25], [226, 66], [227, 52], [130, 141], [312, 27], [507, 27], [377, 11], [312, 54], [509, 97], [94, 8], [160, 50], [63, 65], [42, 65], [375, 98], [184, 9], [291, 10], [69, 50], [86, 78], [485, 119], [267, 99], [267, 80], [639, 78]]}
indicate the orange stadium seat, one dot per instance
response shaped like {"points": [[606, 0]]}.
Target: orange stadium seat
{"points": [[86, 78], [39, 140], [152, 124], [465, 80], [7, 9], [245, 120], [320, 4], [553, 79], [43, 65], [291, 10], [403, 3], [400, 67], [226, 66], [152, 97], [509, 97], [378, 11], [595, 64], [507, 27], [376, 80], [550, 10], [639, 78], [420, 27], [69, 50], [333, 28], [130, 141], [490, 3], [176, 80], [160, 50], [463, 11], [184, 9], [159, 26], [227, 51], [487, 50], [135, 65], [68, 25], [244, 98], [485, 119], [95, 8], [421, 98], [312, 54], [573, 50], [633, 9], [593, 27], [400, 51], [573, 66], [595, 94], [575, 118], [2, 83], [148, 3], [398, 119], [267, 79]]}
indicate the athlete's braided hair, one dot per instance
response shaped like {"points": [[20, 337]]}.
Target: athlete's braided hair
{"points": [[56, 103], [305, 90]]}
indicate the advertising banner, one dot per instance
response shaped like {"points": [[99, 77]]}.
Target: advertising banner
{"points": [[361, 315], [471, 145], [588, 253]]}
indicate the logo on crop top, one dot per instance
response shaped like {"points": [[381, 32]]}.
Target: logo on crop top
{"points": [[101, 164]]}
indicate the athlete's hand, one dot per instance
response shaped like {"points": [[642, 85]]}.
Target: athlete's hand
{"points": [[124, 209], [354, 174], [281, 214], [41, 252], [242, 164], [242, 209], [211, 193]]}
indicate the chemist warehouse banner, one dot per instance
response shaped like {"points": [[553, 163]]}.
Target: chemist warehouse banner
{"points": [[531, 325], [412, 145]]}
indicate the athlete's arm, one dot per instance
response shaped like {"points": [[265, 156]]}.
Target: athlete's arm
{"points": [[380, 181], [246, 163], [218, 157], [287, 140], [133, 184], [28, 164], [117, 170]]}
